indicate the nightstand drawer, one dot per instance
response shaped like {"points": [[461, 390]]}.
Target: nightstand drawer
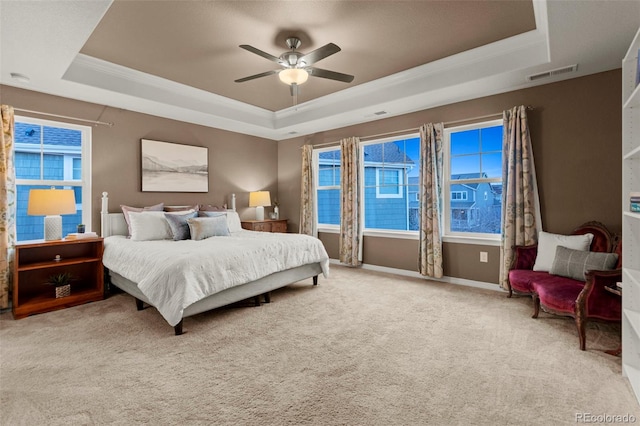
{"points": [[267, 225]]}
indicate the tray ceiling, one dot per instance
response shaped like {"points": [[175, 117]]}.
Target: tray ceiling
{"points": [[178, 59]]}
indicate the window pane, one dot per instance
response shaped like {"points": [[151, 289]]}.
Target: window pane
{"points": [[491, 139], [53, 167], [465, 167], [329, 168], [492, 165], [467, 142], [329, 206], [477, 209], [77, 169], [27, 165]]}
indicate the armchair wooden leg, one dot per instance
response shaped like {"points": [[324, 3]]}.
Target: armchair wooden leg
{"points": [[581, 323], [536, 305]]}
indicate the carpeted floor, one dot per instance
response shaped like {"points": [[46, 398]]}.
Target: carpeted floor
{"points": [[362, 348]]}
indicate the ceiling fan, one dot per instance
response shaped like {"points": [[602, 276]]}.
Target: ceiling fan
{"points": [[297, 65]]}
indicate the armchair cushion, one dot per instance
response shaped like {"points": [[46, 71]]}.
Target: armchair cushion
{"points": [[547, 243], [575, 263]]}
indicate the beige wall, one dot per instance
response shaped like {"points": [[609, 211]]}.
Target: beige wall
{"points": [[576, 131], [575, 128], [237, 163]]}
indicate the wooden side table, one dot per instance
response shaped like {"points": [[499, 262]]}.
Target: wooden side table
{"points": [[267, 225], [36, 261]]}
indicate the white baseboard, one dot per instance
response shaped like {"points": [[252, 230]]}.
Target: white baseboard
{"points": [[414, 274]]}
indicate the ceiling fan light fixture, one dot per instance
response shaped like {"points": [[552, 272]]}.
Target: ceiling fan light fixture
{"points": [[293, 75]]}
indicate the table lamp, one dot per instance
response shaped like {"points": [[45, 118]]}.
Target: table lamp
{"points": [[51, 203], [259, 199]]}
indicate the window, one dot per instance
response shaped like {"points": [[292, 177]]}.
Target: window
{"points": [[473, 180], [389, 183], [51, 154], [327, 163], [459, 196], [391, 177]]}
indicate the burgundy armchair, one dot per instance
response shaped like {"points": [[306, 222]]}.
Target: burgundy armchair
{"points": [[559, 295], [521, 273]]}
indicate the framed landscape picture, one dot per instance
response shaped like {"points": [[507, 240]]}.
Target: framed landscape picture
{"points": [[172, 167]]}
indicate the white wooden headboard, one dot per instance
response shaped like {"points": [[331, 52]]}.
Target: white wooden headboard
{"points": [[111, 223], [114, 223]]}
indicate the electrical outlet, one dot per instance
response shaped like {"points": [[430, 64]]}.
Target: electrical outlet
{"points": [[484, 256]]}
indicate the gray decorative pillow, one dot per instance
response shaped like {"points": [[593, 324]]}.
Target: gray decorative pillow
{"points": [[575, 263], [205, 227], [179, 226]]}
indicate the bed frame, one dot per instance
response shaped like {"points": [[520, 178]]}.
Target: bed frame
{"points": [[114, 224]]}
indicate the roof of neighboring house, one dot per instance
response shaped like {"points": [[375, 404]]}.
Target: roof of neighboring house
{"points": [[30, 134], [468, 176], [388, 152], [376, 153]]}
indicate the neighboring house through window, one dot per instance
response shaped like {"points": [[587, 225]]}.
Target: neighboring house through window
{"points": [[387, 168], [473, 180], [51, 154]]}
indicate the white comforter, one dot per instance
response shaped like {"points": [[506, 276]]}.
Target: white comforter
{"points": [[176, 274]]}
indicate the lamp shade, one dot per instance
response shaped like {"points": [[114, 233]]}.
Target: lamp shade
{"points": [[43, 202], [293, 75], [259, 199]]}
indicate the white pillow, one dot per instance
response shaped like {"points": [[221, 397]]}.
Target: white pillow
{"points": [[547, 244], [233, 221], [149, 225]]}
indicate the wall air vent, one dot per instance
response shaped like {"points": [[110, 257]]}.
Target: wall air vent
{"points": [[553, 73]]}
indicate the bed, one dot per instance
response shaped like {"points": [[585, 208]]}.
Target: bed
{"points": [[187, 277]]}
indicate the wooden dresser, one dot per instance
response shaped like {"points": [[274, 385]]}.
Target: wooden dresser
{"points": [[267, 225]]}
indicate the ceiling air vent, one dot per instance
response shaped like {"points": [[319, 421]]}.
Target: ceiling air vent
{"points": [[553, 73]]}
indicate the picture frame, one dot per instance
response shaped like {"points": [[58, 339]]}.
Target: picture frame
{"points": [[173, 167]]}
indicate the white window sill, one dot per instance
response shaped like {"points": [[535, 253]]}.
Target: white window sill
{"points": [[483, 241], [413, 235]]}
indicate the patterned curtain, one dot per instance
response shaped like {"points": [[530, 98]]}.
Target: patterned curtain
{"points": [[521, 219], [350, 217], [7, 204], [307, 225], [430, 255]]}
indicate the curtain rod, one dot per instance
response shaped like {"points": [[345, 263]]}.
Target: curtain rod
{"points": [[94, 122], [414, 129]]}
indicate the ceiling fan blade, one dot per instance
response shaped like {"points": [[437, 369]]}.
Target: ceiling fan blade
{"points": [[252, 77], [318, 54], [331, 75], [261, 53]]}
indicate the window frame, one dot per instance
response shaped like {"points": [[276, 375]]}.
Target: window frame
{"points": [[379, 232], [457, 236], [68, 181], [322, 227]]}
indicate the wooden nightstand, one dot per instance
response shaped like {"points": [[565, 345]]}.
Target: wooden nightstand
{"points": [[267, 225], [35, 262]]}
